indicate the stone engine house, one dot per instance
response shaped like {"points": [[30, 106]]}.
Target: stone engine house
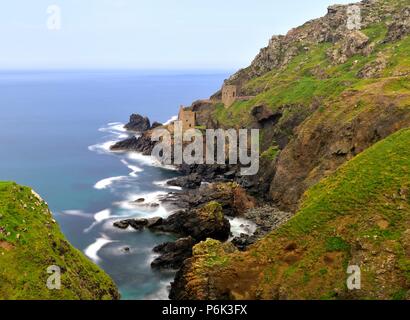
{"points": [[229, 95], [187, 117]]}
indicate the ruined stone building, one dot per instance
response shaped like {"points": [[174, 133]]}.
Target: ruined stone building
{"points": [[229, 95], [187, 117]]}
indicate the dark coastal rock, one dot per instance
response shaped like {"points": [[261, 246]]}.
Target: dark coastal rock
{"points": [[155, 125], [231, 196], [121, 224], [205, 222], [141, 144], [207, 172], [188, 284], [138, 224], [243, 241], [191, 181], [195, 225], [173, 254], [230, 174], [153, 222], [267, 218], [138, 123], [127, 144]]}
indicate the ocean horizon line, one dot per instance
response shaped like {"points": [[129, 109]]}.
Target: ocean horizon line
{"points": [[181, 71]]}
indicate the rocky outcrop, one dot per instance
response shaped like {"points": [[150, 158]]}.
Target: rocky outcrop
{"points": [[328, 118], [173, 254], [374, 68], [324, 142], [233, 199], [155, 125], [191, 181], [353, 43], [399, 27], [332, 28], [138, 123], [191, 283], [138, 224], [202, 223], [306, 258], [203, 114], [209, 173], [141, 144], [194, 225], [267, 218], [263, 114]]}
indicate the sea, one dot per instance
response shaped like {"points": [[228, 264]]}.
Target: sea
{"points": [[56, 128]]}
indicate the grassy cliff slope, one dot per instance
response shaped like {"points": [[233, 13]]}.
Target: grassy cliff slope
{"points": [[30, 242], [360, 215], [327, 94]]}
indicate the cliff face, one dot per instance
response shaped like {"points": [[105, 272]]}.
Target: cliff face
{"points": [[332, 28], [329, 102], [330, 93], [358, 216], [31, 242]]}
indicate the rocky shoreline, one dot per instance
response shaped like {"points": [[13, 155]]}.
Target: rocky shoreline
{"points": [[323, 95], [211, 196]]}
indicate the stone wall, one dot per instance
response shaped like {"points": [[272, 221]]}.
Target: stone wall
{"points": [[229, 95], [187, 117]]}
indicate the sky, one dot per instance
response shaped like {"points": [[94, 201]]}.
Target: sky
{"points": [[146, 34]]}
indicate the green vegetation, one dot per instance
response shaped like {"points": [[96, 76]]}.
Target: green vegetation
{"points": [[330, 109], [271, 153], [214, 253], [30, 242], [360, 184], [213, 210], [359, 215], [366, 201], [336, 244], [310, 77]]}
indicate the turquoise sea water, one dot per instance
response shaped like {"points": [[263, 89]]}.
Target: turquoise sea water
{"points": [[55, 130]]}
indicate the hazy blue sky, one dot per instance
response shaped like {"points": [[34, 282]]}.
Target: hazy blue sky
{"points": [[149, 34]]}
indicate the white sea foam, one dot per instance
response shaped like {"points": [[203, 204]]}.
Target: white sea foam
{"points": [[150, 197], [118, 133], [107, 225], [151, 257], [140, 158], [113, 127], [105, 183], [174, 118], [148, 160], [242, 226], [164, 184], [116, 128], [92, 250], [148, 208], [162, 293], [134, 169], [103, 147], [76, 213], [100, 217]]}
